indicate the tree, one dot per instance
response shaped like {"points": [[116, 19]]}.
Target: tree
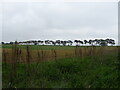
{"points": [[103, 42], [85, 42], [76, 41], [16, 42], [2, 43], [47, 42], [96, 42], [35, 43], [70, 42], [80, 42], [39, 41], [11, 42], [90, 42], [64, 43], [53, 42], [112, 42], [58, 42]]}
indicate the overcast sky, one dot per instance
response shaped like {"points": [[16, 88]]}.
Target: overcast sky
{"points": [[83, 20]]}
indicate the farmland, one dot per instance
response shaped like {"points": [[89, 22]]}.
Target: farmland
{"points": [[37, 66]]}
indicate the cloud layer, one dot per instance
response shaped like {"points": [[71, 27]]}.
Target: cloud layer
{"points": [[25, 21]]}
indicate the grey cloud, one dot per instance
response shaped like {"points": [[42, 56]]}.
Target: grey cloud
{"points": [[59, 21]]}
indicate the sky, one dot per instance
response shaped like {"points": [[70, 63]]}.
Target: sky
{"points": [[63, 20]]}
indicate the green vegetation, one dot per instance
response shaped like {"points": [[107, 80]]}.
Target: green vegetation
{"points": [[60, 67], [87, 72], [41, 47], [45, 47]]}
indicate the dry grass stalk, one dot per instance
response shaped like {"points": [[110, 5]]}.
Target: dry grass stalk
{"points": [[76, 53], [42, 55], [4, 56], [13, 64], [54, 54], [28, 70], [18, 55], [39, 58], [80, 52], [28, 55]]}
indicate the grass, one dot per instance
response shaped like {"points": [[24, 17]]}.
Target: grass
{"points": [[44, 47], [40, 47], [67, 67], [87, 72]]}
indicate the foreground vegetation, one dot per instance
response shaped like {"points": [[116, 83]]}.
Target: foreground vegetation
{"points": [[88, 67], [87, 72]]}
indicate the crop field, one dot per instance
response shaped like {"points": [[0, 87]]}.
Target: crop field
{"points": [[42, 53], [37, 66]]}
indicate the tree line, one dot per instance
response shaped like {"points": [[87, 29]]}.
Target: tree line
{"points": [[95, 42]]}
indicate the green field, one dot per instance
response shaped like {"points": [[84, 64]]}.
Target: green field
{"points": [[46, 47], [89, 71], [41, 47]]}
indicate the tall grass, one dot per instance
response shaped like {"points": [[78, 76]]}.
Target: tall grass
{"points": [[118, 64], [70, 73], [54, 54], [4, 56], [35, 70], [28, 69], [13, 63]]}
